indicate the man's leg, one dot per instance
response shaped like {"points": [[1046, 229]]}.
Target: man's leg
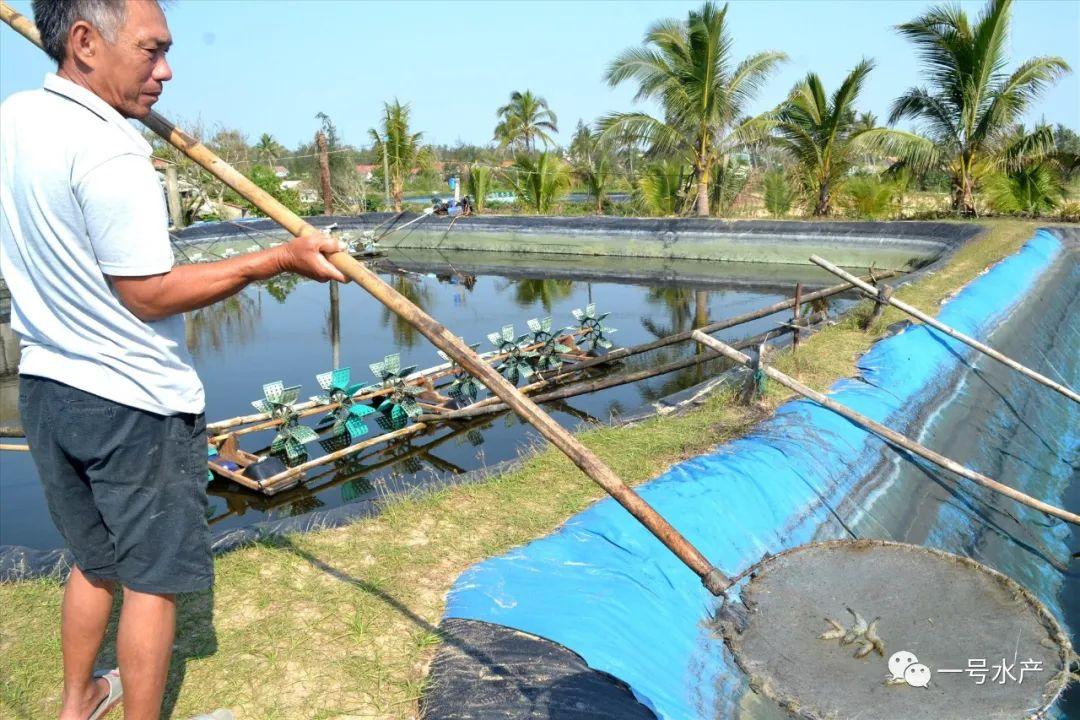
{"points": [[84, 617], [144, 643]]}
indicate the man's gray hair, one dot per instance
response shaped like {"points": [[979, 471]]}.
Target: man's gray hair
{"points": [[54, 19]]}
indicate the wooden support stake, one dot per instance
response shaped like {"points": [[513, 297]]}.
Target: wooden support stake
{"points": [[942, 327], [711, 576], [884, 292], [795, 318], [890, 435]]}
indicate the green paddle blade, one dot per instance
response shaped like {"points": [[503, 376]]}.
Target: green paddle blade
{"points": [[355, 488], [333, 443], [302, 434]]}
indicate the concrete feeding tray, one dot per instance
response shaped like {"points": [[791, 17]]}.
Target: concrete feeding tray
{"points": [[989, 649]]}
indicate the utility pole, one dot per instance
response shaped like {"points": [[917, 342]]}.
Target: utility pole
{"points": [[172, 196], [324, 172]]}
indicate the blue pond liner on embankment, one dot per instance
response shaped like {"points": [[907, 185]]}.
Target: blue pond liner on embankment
{"points": [[603, 587]]}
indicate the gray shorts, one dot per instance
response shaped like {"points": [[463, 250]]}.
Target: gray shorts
{"points": [[125, 487]]}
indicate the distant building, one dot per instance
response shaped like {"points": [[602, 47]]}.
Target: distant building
{"points": [[281, 171], [365, 171]]}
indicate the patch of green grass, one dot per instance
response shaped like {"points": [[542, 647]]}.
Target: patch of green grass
{"points": [[342, 623]]}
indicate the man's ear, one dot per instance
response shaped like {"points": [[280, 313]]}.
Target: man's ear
{"points": [[84, 43]]}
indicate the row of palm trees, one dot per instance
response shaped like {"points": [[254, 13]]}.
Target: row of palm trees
{"points": [[965, 116], [967, 111]]}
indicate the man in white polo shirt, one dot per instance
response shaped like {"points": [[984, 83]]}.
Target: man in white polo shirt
{"points": [[110, 402]]}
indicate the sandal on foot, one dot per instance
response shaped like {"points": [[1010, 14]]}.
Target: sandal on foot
{"points": [[219, 714], [116, 691]]}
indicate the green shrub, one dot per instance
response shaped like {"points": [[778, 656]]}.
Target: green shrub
{"points": [[1032, 190], [778, 193], [868, 197], [660, 188], [478, 185]]}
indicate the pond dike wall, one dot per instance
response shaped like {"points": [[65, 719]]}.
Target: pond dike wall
{"points": [[599, 620], [889, 245]]}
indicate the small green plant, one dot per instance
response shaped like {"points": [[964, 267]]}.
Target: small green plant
{"points": [[1070, 211], [1033, 190], [479, 185], [541, 181], [660, 188], [867, 197], [778, 193]]}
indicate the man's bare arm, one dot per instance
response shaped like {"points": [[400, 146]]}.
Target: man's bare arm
{"points": [[190, 287]]}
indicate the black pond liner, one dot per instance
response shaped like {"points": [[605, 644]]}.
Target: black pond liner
{"points": [[907, 243]]}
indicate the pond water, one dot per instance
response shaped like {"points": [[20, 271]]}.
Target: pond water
{"points": [[282, 330]]}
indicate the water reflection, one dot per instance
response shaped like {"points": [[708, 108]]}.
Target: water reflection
{"points": [[223, 324], [545, 292], [405, 335]]}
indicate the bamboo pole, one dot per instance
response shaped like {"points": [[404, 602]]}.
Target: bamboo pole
{"points": [[287, 478], [711, 576], [890, 435], [937, 325], [795, 315]]}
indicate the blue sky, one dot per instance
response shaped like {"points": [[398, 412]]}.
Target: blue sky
{"points": [[270, 66]]}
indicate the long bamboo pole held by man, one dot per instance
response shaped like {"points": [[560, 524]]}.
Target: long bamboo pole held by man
{"points": [[454, 347]]}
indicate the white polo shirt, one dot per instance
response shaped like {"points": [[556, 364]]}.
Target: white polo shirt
{"points": [[79, 200]]}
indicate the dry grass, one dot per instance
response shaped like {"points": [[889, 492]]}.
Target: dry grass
{"points": [[342, 623]]}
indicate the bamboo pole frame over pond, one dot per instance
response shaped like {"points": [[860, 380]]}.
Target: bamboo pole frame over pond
{"points": [[890, 435], [603, 383], [886, 297], [291, 477], [587, 461], [622, 353]]}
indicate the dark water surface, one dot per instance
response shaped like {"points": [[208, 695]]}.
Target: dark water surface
{"points": [[282, 331]]}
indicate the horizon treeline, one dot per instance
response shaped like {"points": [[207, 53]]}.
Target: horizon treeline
{"points": [[817, 153]]}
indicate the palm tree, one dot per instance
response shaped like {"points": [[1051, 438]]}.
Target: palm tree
{"points": [[597, 175], [478, 185], [540, 181], [525, 119], [660, 188], [687, 67], [400, 147], [826, 138], [593, 164], [268, 150], [970, 103]]}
